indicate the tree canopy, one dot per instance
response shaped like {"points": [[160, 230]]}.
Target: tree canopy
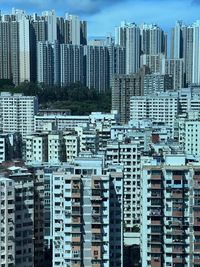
{"points": [[80, 99]]}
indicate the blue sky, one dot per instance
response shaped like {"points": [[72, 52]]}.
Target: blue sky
{"points": [[104, 15]]}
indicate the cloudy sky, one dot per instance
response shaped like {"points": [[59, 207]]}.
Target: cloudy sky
{"points": [[104, 15]]}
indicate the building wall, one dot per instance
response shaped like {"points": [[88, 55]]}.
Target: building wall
{"points": [[7, 222]]}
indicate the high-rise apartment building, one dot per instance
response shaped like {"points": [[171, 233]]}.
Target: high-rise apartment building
{"points": [[132, 48], [5, 66], [153, 39], [128, 152], [152, 61], [187, 130], [156, 83], [182, 45], [71, 30], [24, 217], [48, 63], [120, 34], [196, 53], [74, 29], [40, 29], [9, 47], [117, 60], [72, 64], [123, 88], [177, 40], [83, 216], [189, 55], [14, 46], [174, 67], [128, 36], [36, 148], [170, 211], [162, 107], [28, 216], [10, 146], [17, 113], [24, 50], [7, 222], [50, 18], [97, 67]]}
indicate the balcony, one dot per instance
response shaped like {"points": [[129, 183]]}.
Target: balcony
{"points": [[180, 260], [96, 230], [177, 177], [96, 238], [96, 185], [156, 222], [156, 186], [76, 220], [178, 250], [76, 185], [156, 177], [75, 264], [177, 195], [76, 193], [155, 213], [96, 197], [156, 250], [76, 239], [154, 195], [197, 261], [196, 177], [155, 262], [76, 213], [76, 203], [96, 211], [177, 214], [96, 219]]}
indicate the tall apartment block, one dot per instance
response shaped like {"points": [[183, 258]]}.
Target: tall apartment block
{"points": [[188, 133], [10, 146], [7, 222], [153, 39], [24, 50], [152, 106], [174, 67], [14, 33], [132, 48], [83, 216], [71, 30], [97, 66], [20, 33], [72, 64], [177, 40], [28, 212], [50, 19], [123, 88], [24, 218], [117, 60], [182, 46], [128, 35], [128, 152], [170, 212], [5, 66], [120, 34], [157, 83], [18, 113], [48, 63], [9, 47], [196, 53], [152, 61]]}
